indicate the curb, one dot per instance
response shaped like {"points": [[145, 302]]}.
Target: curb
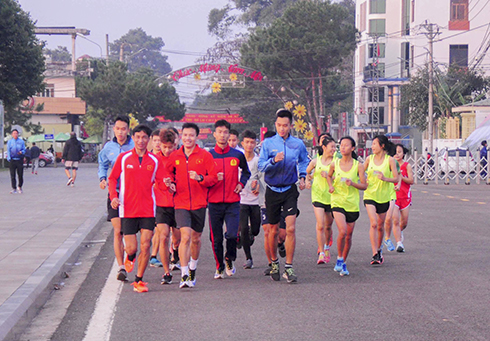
{"points": [[22, 306]]}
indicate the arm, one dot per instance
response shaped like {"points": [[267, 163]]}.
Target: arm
{"points": [[265, 162], [245, 171], [409, 178], [211, 176], [23, 148], [310, 167], [362, 185], [115, 174], [394, 171], [330, 174], [65, 151], [9, 157]]}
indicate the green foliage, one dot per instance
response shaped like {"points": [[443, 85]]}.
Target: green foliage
{"points": [[93, 122], [19, 115], [60, 54]]}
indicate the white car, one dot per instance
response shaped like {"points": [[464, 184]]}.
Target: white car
{"points": [[448, 157]]}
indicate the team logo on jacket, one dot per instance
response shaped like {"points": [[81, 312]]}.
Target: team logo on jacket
{"points": [[129, 166], [149, 167], [233, 162], [177, 162], [198, 161]]}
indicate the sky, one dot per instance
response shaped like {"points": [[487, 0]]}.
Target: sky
{"points": [[182, 24]]}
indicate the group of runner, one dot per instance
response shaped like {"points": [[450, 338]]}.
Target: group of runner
{"points": [[164, 194]]}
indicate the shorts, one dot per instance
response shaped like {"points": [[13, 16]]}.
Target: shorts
{"points": [[263, 213], [111, 213], [277, 204], [165, 215], [71, 164], [194, 219], [327, 208], [380, 208], [131, 226], [403, 203], [350, 217]]}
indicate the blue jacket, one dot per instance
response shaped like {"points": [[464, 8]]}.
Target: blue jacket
{"points": [[282, 175], [109, 154], [14, 147]]}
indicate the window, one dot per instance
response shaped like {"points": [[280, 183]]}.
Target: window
{"points": [[377, 26], [48, 91], [405, 62], [381, 116], [377, 6], [362, 19], [412, 56], [459, 15], [405, 17], [381, 94], [380, 52], [458, 54]]}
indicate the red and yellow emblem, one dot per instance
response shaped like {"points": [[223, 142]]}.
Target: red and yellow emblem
{"points": [[149, 167], [233, 162], [198, 161], [177, 162]]}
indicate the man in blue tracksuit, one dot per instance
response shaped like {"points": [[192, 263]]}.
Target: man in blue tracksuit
{"points": [[281, 158], [121, 143], [16, 150]]}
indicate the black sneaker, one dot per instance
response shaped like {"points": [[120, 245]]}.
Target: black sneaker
{"points": [[375, 259], [192, 278], [267, 271], [122, 275], [282, 249], [380, 256], [184, 282], [166, 279], [290, 275], [275, 272]]}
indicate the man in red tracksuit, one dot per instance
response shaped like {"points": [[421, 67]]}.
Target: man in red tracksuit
{"points": [[190, 171], [224, 198], [137, 170]]}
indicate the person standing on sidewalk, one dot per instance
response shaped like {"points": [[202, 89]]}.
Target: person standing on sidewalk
{"points": [[35, 153], [281, 158], [16, 149], [224, 198], [72, 154], [121, 143]]}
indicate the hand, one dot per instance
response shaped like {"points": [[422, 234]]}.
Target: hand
{"points": [[194, 176], [238, 188], [279, 157], [398, 186], [302, 184], [167, 182], [308, 184], [348, 182], [255, 187], [331, 189], [324, 174], [221, 176], [103, 184], [172, 188], [115, 203]]}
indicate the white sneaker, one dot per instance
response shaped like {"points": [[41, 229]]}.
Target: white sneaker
{"points": [[69, 181], [230, 268], [400, 247], [19, 190]]}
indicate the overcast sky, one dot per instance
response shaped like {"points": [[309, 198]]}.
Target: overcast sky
{"points": [[182, 24]]}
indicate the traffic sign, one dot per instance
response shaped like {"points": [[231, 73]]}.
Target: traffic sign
{"points": [[48, 136]]}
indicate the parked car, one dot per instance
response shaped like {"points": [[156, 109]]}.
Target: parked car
{"points": [[44, 159], [448, 157]]}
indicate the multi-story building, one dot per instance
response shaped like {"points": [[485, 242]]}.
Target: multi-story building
{"points": [[394, 43]]}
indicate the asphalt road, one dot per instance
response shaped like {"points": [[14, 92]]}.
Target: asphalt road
{"points": [[438, 290]]}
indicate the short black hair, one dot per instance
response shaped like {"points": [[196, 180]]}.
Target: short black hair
{"points": [[174, 130], [285, 113], [142, 127], [234, 132], [33, 143], [155, 132], [247, 134], [484, 142], [222, 123], [167, 135], [194, 126], [124, 119], [269, 134], [14, 130]]}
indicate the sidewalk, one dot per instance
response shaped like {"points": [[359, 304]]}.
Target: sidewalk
{"points": [[39, 231]]}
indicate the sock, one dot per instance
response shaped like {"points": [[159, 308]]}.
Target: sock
{"points": [[137, 279], [132, 257], [321, 253], [153, 257], [122, 267], [326, 247], [193, 264], [275, 261], [184, 270], [402, 236], [288, 265], [340, 258]]}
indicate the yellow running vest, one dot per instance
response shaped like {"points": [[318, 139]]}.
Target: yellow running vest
{"points": [[319, 187], [346, 197], [378, 190]]}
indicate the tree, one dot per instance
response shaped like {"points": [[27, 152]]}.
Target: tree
{"points": [[140, 50], [60, 54], [21, 60]]}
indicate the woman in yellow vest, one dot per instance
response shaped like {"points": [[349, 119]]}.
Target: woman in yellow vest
{"points": [[320, 198], [345, 178], [381, 175]]}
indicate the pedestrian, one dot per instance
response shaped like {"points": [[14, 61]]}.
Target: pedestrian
{"points": [[321, 198], [281, 158], [190, 171], [381, 171], [175, 238], [35, 153], [345, 179], [72, 154], [28, 156], [483, 158], [121, 143], [16, 149]]}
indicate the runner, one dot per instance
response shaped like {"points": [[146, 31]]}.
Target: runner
{"points": [[320, 198], [389, 214], [137, 170], [224, 198], [403, 197], [121, 143], [344, 186], [281, 158], [155, 241], [175, 238], [191, 171], [381, 171]]}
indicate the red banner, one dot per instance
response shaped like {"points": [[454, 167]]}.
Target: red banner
{"points": [[263, 130], [344, 124], [207, 118]]}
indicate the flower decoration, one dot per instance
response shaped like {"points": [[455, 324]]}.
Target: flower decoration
{"points": [[233, 77], [216, 87], [300, 111], [197, 76], [309, 135], [299, 125], [133, 122], [288, 105]]}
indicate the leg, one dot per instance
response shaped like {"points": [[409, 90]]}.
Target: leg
{"points": [[290, 238], [396, 224], [232, 219], [131, 244], [404, 218], [381, 217], [328, 227], [185, 246], [163, 234], [342, 227], [118, 241], [144, 256], [13, 170], [373, 227], [20, 173], [272, 241], [155, 241], [67, 172], [245, 230], [195, 244], [74, 176], [320, 227], [348, 240], [216, 220], [267, 248], [389, 220]]}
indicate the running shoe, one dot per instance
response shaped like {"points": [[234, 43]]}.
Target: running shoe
{"points": [[140, 286], [380, 256], [275, 272], [72, 184], [174, 265], [290, 275], [184, 282], [191, 282], [249, 264], [338, 266], [327, 255], [344, 271], [219, 274], [330, 242], [128, 265], [14, 191], [155, 263], [389, 245], [19, 190], [69, 181], [321, 258], [122, 275], [230, 268], [400, 247], [375, 259], [166, 279], [282, 249], [267, 271]]}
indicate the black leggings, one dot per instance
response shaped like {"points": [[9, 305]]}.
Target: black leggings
{"points": [[252, 213], [17, 166]]}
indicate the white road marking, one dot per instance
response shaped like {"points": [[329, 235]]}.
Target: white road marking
{"points": [[100, 324]]}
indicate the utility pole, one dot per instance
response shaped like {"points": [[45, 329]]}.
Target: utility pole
{"points": [[374, 88], [107, 48]]}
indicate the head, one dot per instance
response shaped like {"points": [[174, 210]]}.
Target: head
{"points": [[401, 151], [33, 144], [320, 140], [233, 139], [155, 140], [141, 137], [121, 128], [15, 134], [168, 142], [73, 135], [249, 141], [176, 132], [190, 132], [221, 133], [347, 147], [284, 122], [269, 134], [382, 144], [484, 143], [328, 147]]}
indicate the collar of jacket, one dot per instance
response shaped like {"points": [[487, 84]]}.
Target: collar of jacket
{"points": [[219, 150], [128, 139]]}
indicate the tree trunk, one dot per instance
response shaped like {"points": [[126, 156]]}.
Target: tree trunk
{"points": [[315, 107], [311, 117], [320, 101]]}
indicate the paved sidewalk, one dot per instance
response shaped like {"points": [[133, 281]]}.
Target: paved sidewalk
{"points": [[39, 231]]}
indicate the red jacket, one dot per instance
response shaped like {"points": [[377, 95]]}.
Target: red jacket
{"points": [[229, 161], [163, 196], [136, 184], [191, 194]]}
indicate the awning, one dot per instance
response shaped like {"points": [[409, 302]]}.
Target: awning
{"points": [[95, 139]]}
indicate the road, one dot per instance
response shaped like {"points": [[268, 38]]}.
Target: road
{"points": [[438, 290]]}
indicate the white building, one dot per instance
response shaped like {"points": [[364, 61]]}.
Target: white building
{"points": [[464, 37]]}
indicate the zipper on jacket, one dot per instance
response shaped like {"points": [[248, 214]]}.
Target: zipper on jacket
{"points": [[188, 180], [224, 177]]}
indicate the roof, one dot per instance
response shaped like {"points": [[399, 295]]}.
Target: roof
{"points": [[483, 104], [61, 105]]}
